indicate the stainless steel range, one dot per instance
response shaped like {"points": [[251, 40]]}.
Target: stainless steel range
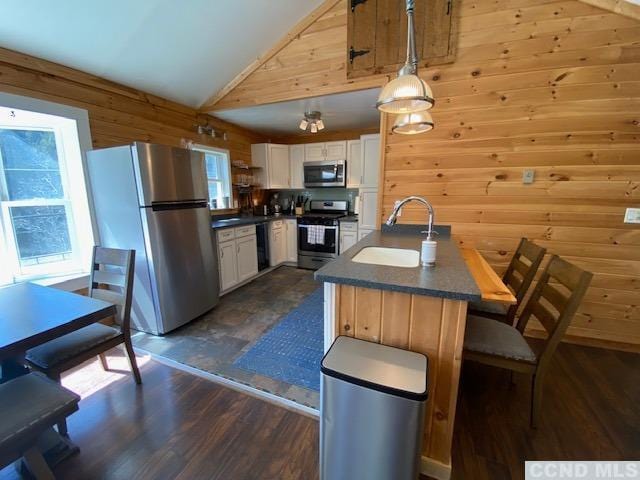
{"points": [[319, 233]]}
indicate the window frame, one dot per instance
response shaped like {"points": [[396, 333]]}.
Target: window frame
{"points": [[73, 139], [215, 150]]}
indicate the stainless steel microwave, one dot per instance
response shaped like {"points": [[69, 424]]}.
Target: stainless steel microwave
{"points": [[325, 174]]}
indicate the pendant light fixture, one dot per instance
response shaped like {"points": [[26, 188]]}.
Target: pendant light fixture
{"points": [[407, 93], [312, 122], [412, 123]]}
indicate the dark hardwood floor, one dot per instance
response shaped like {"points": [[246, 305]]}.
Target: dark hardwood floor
{"points": [[177, 425]]}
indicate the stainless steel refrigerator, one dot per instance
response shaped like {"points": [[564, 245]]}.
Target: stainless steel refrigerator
{"points": [[154, 199]]}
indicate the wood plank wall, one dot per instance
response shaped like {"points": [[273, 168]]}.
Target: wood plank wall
{"points": [[550, 85], [117, 114]]}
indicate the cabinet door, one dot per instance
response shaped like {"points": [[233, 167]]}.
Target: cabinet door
{"points": [[335, 150], [347, 240], [279, 174], [292, 240], [228, 261], [370, 154], [277, 247], [296, 161], [247, 249], [368, 216], [313, 152], [363, 233], [354, 164]]}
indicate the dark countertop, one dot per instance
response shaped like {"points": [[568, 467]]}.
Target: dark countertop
{"points": [[248, 220], [450, 278], [349, 218]]}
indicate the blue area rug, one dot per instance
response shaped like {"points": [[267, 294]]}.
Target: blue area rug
{"points": [[292, 350]]}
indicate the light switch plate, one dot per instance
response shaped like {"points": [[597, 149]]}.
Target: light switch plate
{"points": [[632, 215], [528, 176]]}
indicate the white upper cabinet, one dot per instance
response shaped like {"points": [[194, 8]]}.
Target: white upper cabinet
{"points": [[315, 152], [296, 161], [354, 164], [335, 150], [370, 160], [274, 162]]}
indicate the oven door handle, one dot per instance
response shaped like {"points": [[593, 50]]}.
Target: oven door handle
{"points": [[325, 226]]}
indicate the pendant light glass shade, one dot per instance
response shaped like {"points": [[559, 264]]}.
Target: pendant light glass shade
{"points": [[412, 123], [405, 94]]}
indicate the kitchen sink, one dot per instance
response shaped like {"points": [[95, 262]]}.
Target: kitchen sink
{"points": [[390, 257]]}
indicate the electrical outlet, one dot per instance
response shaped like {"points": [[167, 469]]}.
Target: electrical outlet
{"points": [[632, 215], [395, 205], [528, 176]]}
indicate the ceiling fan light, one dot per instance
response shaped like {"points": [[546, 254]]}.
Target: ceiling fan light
{"points": [[314, 128], [407, 93], [304, 124], [413, 123], [320, 125]]}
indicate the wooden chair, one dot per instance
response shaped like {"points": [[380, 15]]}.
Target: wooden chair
{"points": [[30, 405], [112, 268], [518, 277], [494, 343]]}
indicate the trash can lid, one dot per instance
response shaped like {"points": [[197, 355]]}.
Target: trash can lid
{"points": [[386, 369]]}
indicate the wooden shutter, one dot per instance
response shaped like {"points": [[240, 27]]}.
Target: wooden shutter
{"points": [[377, 34]]}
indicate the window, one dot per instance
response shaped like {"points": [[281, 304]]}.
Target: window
{"points": [[45, 227], [218, 175]]}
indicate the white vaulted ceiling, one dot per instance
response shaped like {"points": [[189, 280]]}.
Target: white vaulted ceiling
{"points": [[183, 50]]}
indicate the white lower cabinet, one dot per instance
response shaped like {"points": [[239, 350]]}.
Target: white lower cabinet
{"points": [[363, 232], [237, 255], [291, 227], [277, 243], [228, 264], [247, 257], [348, 235]]}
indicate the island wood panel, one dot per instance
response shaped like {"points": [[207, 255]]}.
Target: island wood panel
{"points": [[429, 325], [117, 114]]}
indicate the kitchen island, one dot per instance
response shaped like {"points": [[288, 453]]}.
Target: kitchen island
{"points": [[422, 309]]}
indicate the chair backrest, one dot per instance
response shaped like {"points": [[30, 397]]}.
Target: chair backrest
{"points": [[554, 305], [114, 269], [521, 271]]}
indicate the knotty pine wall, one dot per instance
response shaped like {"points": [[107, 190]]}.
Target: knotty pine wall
{"points": [[553, 87], [117, 114], [543, 84]]}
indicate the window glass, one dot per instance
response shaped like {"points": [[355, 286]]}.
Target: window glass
{"points": [[218, 167]]}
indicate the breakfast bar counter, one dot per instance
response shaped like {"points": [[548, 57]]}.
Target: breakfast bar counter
{"points": [[422, 309]]}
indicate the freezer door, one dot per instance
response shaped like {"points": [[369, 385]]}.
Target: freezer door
{"points": [[168, 174], [184, 269]]}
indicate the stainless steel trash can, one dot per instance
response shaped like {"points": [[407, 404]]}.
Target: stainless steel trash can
{"points": [[372, 404]]}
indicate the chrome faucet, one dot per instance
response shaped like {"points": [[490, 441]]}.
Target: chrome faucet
{"points": [[394, 215]]}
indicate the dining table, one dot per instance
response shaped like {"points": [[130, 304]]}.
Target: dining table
{"points": [[31, 315], [492, 288]]}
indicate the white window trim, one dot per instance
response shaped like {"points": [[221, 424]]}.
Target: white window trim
{"points": [[207, 148], [81, 195]]}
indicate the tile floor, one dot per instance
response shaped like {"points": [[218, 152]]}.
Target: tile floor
{"points": [[214, 341]]}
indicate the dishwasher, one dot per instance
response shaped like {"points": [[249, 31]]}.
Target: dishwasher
{"points": [[262, 239]]}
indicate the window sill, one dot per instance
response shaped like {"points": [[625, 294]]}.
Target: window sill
{"points": [[70, 283]]}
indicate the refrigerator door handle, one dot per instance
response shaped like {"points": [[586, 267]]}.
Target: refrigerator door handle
{"points": [[179, 205]]}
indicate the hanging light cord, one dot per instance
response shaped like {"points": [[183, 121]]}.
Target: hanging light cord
{"points": [[412, 56]]}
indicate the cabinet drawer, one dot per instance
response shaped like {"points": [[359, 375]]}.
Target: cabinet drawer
{"points": [[245, 231], [226, 234], [349, 226], [276, 224]]}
